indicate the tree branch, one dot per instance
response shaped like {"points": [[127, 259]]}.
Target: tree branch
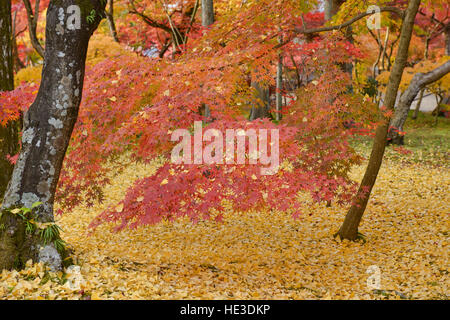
{"points": [[32, 25]]}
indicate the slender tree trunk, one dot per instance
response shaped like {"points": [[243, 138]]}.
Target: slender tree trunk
{"points": [[447, 39], [110, 17], [48, 125], [207, 20], [419, 102], [8, 134], [328, 6], [279, 97], [33, 18], [418, 83], [349, 229], [18, 64], [261, 106], [332, 7], [437, 110], [207, 12]]}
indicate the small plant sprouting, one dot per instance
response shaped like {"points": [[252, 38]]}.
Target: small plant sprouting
{"points": [[48, 232], [91, 17]]}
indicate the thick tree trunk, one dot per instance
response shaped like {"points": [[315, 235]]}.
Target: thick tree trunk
{"points": [[418, 83], [9, 134], [47, 129], [349, 229], [110, 17]]}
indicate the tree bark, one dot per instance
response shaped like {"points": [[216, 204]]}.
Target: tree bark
{"points": [[207, 20], [9, 133], [48, 125], [110, 17], [349, 228], [418, 83], [207, 12]]}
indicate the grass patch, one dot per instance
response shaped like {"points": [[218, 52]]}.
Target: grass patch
{"points": [[428, 143]]}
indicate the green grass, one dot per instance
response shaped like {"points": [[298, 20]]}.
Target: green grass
{"points": [[429, 143]]}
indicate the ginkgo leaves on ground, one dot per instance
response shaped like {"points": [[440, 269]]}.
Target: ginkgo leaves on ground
{"points": [[261, 254]]}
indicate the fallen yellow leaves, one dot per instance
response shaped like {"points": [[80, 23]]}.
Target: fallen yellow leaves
{"points": [[261, 255]]}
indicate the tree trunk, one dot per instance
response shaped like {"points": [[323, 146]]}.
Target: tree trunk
{"points": [[33, 18], [332, 7], [279, 100], [48, 125], [261, 106], [419, 103], [349, 229], [18, 64], [328, 4], [110, 18], [419, 81], [207, 20], [207, 12], [447, 39], [8, 134]]}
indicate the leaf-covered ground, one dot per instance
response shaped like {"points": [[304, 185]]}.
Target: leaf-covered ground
{"points": [[262, 255]]}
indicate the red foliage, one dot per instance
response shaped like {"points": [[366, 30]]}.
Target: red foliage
{"points": [[131, 105]]}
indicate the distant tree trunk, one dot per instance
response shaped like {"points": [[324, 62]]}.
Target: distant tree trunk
{"points": [[18, 64], [328, 4], [261, 105], [419, 102], [48, 125], [279, 82], [207, 20], [332, 7], [9, 134], [447, 39], [349, 228], [418, 83], [207, 12], [33, 18], [110, 17]]}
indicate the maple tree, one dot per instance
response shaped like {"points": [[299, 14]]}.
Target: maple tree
{"points": [[226, 65]]}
